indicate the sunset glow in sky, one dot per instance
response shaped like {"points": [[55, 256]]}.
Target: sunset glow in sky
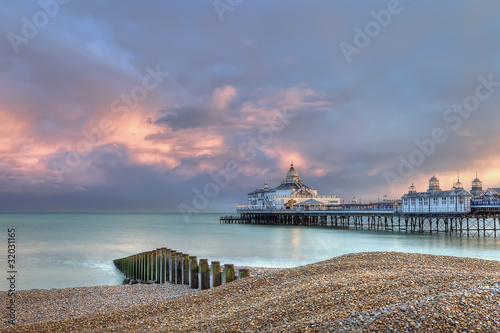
{"points": [[127, 106]]}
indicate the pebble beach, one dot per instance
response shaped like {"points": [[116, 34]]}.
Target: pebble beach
{"points": [[363, 292]]}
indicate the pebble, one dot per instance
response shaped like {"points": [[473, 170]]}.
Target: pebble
{"points": [[340, 294]]}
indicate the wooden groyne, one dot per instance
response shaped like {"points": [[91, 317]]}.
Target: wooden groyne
{"points": [[478, 223], [165, 265]]}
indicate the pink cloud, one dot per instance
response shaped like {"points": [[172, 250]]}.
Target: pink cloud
{"points": [[223, 96]]}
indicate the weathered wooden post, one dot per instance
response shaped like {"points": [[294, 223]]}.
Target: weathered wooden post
{"points": [[155, 265], [162, 264], [229, 273], [178, 267], [185, 269], [216, 274], [244, 273], [148, 266], [138, 268], [167, 265], [129, 268], [173, 254], [158, 265], [194, 271], [134, 267], [205, 274], [125, 267], [143, 267], [151, 266]]}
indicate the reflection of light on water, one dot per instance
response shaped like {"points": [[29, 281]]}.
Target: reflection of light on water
{"points": [[295, 237]]}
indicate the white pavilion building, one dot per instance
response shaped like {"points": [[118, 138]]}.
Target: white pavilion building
{"points": [[292, 192], [456, 200]]}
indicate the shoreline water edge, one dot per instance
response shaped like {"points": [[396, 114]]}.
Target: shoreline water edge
{"points": [[371, 291]]}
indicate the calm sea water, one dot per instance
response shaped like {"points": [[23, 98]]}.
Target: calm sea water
{"points": [[71, 250]]}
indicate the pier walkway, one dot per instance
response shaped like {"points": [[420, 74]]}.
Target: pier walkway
{"points": [[477, 223]]}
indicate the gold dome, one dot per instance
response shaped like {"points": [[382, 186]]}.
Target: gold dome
{"points": [[292, 175]]}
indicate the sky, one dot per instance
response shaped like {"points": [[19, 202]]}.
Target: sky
{"points": [[186, 106]]}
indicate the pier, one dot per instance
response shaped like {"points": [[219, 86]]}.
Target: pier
{"points": [[453, 212], [480, 222]]}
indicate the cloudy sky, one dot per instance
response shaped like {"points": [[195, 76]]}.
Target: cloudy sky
{"points": [[188, 105]]}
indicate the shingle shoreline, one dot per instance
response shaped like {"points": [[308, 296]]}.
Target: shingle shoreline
{"points": [[376, 291]]}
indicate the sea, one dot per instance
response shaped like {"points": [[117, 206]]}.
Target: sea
{"points": [[60, 250]]}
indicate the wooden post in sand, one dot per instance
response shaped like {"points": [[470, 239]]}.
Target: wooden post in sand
{"points": [[173, 253], [229, 273], [133, 266], [194, 272], [178, 268], [151, 266], [216, 274], [244, 273], [138, 274], [148, 268], [167, 265], [136, 266], [185, 269], [163, 265], [136, 256], [125, 267], [143, 266], [157, 265], [205, 274]]}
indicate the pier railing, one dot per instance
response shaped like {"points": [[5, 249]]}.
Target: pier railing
{"points": [[323, 207], [165, 265]]}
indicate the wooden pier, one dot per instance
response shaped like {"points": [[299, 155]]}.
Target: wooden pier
{"points": [[165, 265], [478, 223]]}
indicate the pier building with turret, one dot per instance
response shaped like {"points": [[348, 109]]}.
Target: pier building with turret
{"points": [[291, 192]]}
